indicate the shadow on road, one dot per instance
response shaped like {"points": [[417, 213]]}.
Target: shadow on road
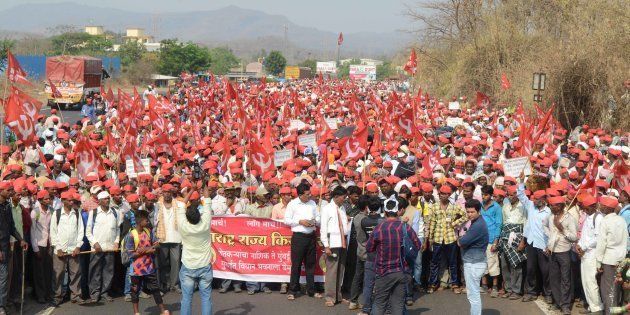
{"points": [[243, 309]]}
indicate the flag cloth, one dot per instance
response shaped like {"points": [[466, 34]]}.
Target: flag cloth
{"points": [[412, 63], [340, 39], [54, 90], [15, 73], [505, 83]]}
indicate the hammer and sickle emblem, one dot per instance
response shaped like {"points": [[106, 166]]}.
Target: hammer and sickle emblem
{"points": [[86, 161], [24, 126], [405, 123], [355, 150], [259, 159]]}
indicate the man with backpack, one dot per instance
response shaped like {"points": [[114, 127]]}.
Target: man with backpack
{"points": [[392, 267], [66, 238], [103, 232]]}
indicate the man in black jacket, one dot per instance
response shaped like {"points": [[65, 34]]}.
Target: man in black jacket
{"points": [[7, 229]]}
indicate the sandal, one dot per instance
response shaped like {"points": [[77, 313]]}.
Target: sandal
{"points": [[330, 303], [290, 297], [318, 295], [457, 290]]}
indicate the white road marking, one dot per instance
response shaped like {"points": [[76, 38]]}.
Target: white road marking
{"points": [[47, 311], [545, 308]]}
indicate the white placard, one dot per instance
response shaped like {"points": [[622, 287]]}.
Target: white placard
{"points": [[308, 140], [281, 156], [454, 121], [514, 167], [454, 105], [296, 124], [130, 169], [332, 123]]}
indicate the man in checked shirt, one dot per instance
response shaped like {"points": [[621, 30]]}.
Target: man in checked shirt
{"points": [[392, 271]]}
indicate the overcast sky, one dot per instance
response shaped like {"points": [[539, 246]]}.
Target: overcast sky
{"points": [[331, 15]]}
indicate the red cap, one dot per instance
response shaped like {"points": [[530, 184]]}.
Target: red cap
{"points": [[445, 189], [556, 200], [285, 190], [539, 194], [426, 187], [588, 200], [42, 194], [609, 201], [132, 198]]}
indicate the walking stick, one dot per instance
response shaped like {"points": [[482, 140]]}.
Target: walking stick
{"points": [[23, 280]]}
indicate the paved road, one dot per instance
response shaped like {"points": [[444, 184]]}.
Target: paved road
{"points": [[232, 304]]}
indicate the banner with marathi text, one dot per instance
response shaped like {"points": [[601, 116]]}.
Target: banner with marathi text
{"points": [[255, 249]]}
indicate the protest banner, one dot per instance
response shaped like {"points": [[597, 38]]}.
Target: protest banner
{"points": [[296, 124], [255, 249], [308, 140], [332, 123], [454, 105], [514, 167], [454, 121], [130, 169], [281, 156]]}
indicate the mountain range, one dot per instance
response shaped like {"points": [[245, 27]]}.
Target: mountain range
{"points": [[246, 31]]}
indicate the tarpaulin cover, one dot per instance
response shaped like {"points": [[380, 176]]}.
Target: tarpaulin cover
{"points": [[72, 68]]}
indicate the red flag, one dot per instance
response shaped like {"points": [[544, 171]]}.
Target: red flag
{"points": [[54, 90], [130, 152], [323, 131], [591, 175], [355, 146], [483, 101], [323, 158], [620, 175], [505, 83], [267, 139], [87, 159], [15, 73], [227, 147], [412, 63], [30, 105], [340, 39], [404, 123], [19, 120], [260, 159], [42, 158], [162, 141]]}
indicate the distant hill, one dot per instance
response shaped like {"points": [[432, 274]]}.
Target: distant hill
{"points": [[246, 31]]}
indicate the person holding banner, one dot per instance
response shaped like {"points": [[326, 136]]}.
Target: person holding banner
{"points": [[333, 232], [303, 217], [194, 228]]}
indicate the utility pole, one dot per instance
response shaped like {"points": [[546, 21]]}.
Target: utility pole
{"points": [[286, 40]]}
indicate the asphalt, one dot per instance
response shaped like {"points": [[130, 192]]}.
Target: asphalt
{"points": [[444, 302]]}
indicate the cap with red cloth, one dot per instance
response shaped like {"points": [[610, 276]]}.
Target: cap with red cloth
{"points": [[609, 201], [539, 194], [445, 189], [132, 198], [556, 200], [43, 194]]}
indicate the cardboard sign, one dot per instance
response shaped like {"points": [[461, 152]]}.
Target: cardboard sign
{"points": [[296, 124], [454, 121], [308, 140], [514, 167], [130, 169], [281, 156], [454, 106], [332, 123]]}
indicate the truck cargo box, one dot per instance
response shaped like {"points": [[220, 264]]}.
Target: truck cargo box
{"points": [[74, 69]]}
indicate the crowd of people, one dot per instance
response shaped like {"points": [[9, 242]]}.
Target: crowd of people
{"points": [[91, 221]]}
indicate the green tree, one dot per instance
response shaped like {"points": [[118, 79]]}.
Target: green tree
{"points": [[309, 63], [222, 60], [275, 63], [343, 71], [176, 57], [79, 42], [131, 52], [5, 45], [385, 70]]}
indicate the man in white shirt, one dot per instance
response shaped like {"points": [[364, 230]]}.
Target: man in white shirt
{"points": [[610, 250], [103, 233], [333, 231], [66, 238], [40, 230], [586, 249], [302, 216], [169, 253]]}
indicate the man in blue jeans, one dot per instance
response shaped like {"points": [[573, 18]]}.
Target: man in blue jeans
{"points": [[368, 224], [196, 254], [474, 245]]}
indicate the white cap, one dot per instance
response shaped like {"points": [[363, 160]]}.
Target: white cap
{"points": [[95, 190], [48, 133], [102, 195]]}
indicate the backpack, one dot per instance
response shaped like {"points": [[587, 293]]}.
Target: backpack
{"points": [[409, 250], [125, 257]]}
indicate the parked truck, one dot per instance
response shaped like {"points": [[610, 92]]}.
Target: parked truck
{"points": [[76, 78], [295, 72]]}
